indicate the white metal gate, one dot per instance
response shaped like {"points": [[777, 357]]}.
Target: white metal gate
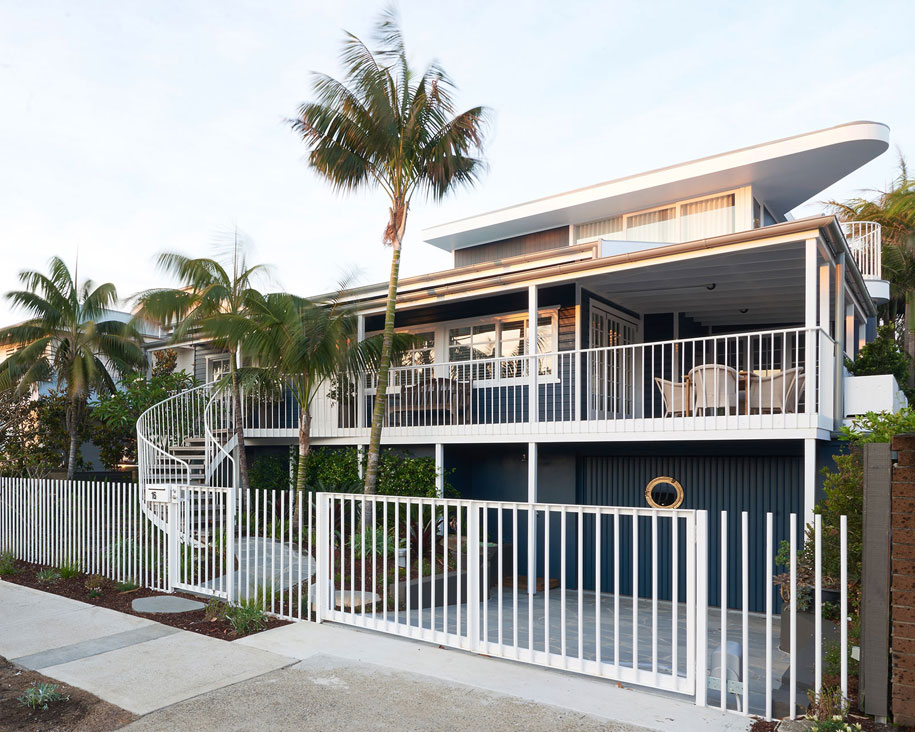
{"points": [[202, 540], [616, 594]]}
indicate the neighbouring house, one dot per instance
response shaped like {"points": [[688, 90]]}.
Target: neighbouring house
{"points": [[669, 338]]}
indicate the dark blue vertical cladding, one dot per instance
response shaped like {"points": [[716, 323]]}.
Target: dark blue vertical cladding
{"points": [[754, 483]]}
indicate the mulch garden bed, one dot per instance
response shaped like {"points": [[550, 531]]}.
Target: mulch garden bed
{"points": [[855, 715], [82, 711], [114, 598]]}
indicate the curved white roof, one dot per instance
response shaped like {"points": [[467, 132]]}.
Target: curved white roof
{"points": [[784, 173]]}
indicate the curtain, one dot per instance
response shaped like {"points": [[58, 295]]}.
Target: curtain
{"points": [[708, 217]]}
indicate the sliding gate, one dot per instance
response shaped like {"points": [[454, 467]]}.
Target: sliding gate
{"points": [[609, 591]]}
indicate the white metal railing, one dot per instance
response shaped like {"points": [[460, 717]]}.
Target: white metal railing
{"points": [[864, 241], [665, 598], [100, 528], [768, 379]]}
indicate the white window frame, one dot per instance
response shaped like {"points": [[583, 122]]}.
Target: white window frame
{"points": [[442, 351], [211, 360]]}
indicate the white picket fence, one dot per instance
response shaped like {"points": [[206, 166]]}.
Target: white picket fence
{"points": [[98, 527], [615, 592]]}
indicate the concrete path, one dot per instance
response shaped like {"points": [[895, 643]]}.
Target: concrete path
{"points": [[594, 698], [135, 663]]}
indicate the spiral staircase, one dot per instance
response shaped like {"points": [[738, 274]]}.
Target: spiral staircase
{"points": [[186, 441]]}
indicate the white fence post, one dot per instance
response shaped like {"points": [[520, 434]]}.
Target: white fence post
{"points": [[701, 620], [231, 507], [473, 577], [174, 496], [322, 549]]}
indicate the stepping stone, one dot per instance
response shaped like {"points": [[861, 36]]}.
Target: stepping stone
{"points": [[165, 604]]}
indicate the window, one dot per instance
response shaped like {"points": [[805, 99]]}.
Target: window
{"points": [[500, 344], [423, 352]]}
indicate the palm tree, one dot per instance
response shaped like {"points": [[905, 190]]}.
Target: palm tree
{"points": [[213, 304], [298, 344], [384, 126], [894, 209], [69, 338]]}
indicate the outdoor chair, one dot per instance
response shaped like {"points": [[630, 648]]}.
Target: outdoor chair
{"points": [[674, 395], [714, 386], [775, 393]]}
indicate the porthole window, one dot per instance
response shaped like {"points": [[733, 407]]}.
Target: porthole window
{"points": [[664, 492]]}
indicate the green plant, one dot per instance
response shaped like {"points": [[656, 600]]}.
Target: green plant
{"points": [[95, 582], [212, 303], [374, 542], [215, 610], [832, 661], [126, 586], [39, 695], [47, 576], [270, 472], [883, 355], [836, 724], [69, 570], [7, 563], [246, 617], [68, 338], [95, 592], [827, 706]]}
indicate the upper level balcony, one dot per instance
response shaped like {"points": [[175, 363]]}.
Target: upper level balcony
{"points": [[741, 384], [864, 240]]}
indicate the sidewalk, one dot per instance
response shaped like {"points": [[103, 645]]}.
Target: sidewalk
{"points": [[137, 664], [323, 676]]}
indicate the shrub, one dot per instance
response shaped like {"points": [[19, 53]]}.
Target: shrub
{"points": [[95, 583], [246, 618], [377, 540], [39, 695], [883, 355], [7, 563], [68, 570], [215, 610], [47, 576], [269, 472], [827, 706], [126, 586]]}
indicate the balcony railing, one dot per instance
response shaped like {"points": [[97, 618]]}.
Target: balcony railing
{"points": [[864, 240], [771, 379]]}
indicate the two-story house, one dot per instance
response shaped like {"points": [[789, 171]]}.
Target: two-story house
{"points": [[669, 338]]}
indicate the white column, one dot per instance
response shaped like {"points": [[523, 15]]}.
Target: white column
{"points": [[439, 469], [810, 478], [360, 453], [533, 396], [810, 321], [360, 386], [531, 472], [839, 335]]}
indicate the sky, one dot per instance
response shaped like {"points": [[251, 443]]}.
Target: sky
{"points": [[130, 128]]}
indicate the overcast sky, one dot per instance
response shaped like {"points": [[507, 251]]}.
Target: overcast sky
{"points": [[131, 127]]}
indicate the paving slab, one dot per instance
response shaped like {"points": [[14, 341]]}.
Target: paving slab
{"points": [[165, 604], [147, 676], [582, 694], [32, 621], [93, 647]]}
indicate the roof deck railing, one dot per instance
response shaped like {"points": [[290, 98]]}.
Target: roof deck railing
{"points": [[864, 240]]}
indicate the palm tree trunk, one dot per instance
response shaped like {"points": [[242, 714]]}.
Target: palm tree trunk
{"points": [[73, 429], [239, 426], [398, 213], [304, 447]]}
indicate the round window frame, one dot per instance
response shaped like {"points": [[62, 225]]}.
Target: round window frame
{"points": [[661, 480]]}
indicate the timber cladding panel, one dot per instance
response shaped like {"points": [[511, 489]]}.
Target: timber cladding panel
{"points": [[539, 241], [902, 582]]}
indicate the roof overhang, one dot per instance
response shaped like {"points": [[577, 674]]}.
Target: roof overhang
{"points": [[784, 173]]}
